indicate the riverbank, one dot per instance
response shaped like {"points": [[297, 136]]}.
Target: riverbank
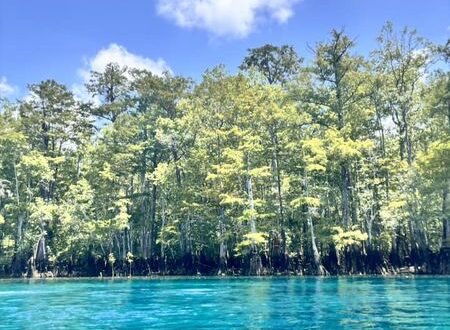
{"points": [[354, 262], [401, 274]]}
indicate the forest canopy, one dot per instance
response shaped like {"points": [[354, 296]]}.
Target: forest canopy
{"points": [[335, 166]]}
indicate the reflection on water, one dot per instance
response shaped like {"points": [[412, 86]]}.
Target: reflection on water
{"points": [[220, 303]]}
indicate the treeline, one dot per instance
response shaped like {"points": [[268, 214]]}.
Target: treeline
{"points": [[337, 166]]}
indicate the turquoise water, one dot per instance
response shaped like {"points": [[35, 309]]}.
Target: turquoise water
{"points": [[220, 303]]}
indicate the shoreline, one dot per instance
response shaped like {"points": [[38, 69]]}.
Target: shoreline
{"points": [[215, 277]]}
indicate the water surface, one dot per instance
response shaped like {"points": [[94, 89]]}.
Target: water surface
{"points": [[227, 303]]}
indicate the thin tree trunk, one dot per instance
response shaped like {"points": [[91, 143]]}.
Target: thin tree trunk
{"points": [[21, 216], [276, 170], [255, 259], [143, 210], [222, 246], [446, 216], [318, 269], [383, 148], [163, 247], [345, 190], [251, 204], [151, 234], [407, 138]]}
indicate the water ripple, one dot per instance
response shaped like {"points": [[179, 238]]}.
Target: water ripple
{"points": [[222, 303]]}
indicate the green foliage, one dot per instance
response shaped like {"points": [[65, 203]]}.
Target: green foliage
{"points": [[111, 259], [258, 240], [280, 160], [434, 164], [130, 257], [277, 64], [168, 236], [343, 239], [308, 201]]}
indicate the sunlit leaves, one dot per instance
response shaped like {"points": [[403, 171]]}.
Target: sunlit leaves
{"points": [[343, 239], [258, 239], [308, 201]]}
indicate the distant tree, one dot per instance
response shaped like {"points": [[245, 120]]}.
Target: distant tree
{"points": [[277, 64], [112, 87]]}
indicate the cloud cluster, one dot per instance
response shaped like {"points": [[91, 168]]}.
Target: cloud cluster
{"points": [[5, 88], [235, 18]]}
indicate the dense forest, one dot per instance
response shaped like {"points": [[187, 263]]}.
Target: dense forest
{"points": [[336, 166]]}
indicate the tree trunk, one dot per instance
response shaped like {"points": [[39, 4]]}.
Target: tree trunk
{"points": [[255, 259], [276, 169], [446, 216], [143, 210], [383, 148], [251, 203], [317, 267], [345, 191], [222, 246], [407, 140], [151, 238], [445, 247], [163, 261]]}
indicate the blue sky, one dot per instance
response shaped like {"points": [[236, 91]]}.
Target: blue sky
{"points": [[63, 40]]}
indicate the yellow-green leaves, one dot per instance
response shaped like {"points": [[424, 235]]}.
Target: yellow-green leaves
{"points": [[258, 239], [346, 148], [260, 172], [7, 242], [314, 155], [435, 162], [343, 238], [35, 165], [56, 160], [161, 173], [106, 173], [315, 168], [111, 259], [395, 211], [129, 257], [168, 235], [42, 211], [121, 220], [308, 201], [230, 199]]}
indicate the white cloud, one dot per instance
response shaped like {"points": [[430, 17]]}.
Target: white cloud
{"points": [[236, 18], [5, 88], [115, 53]]}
